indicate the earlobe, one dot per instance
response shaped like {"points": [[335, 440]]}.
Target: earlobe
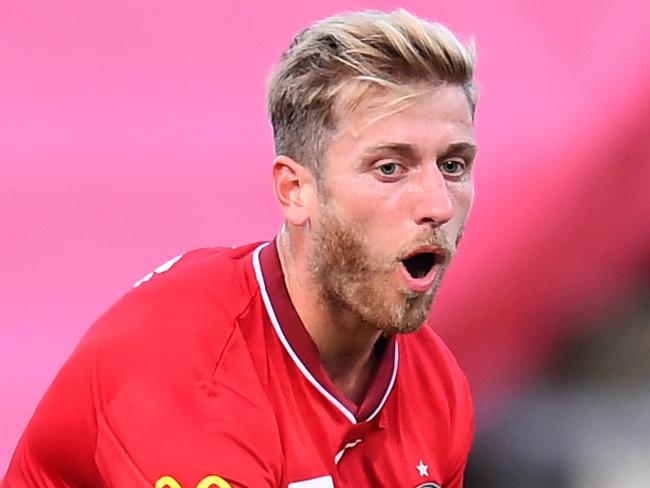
{"points": [[293, 189]]}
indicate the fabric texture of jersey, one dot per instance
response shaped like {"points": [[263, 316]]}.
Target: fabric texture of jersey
{"points": [[204, 376]]}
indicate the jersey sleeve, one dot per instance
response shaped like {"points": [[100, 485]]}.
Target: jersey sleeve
{"points": [[158, 431], [56, 449]]}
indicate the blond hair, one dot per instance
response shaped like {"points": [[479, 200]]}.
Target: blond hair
{"points": [[363, 49]]}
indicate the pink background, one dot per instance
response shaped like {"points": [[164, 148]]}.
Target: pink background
{"points": [[132, 131]]}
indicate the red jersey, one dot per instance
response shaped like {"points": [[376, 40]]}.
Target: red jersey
{"points": [[204, 376]]}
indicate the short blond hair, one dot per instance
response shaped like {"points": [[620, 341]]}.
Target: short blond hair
{"points": [[370, 49]]}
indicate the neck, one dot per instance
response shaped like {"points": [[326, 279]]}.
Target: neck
{"points": [[347, 347]]}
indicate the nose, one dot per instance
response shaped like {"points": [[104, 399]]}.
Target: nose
{"points": [[434, 206]]}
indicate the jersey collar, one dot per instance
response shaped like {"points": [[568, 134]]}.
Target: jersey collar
{"points": [[302, 349]]}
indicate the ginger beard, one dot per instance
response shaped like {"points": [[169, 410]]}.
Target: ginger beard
{"points": [[353, 281]]}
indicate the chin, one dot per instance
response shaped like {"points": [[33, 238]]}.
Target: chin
{"points": [[404, 317], [401, 329]]}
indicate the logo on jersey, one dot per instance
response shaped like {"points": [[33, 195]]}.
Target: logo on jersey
{"points": [[423, 469], [160, 269], [423, 472], [211, 481], [320, 482]]}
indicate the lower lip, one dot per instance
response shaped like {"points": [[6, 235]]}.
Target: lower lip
{"points": [[419, 285]]}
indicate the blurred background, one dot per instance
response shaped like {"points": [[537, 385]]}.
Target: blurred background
{"points": [[133, 131]]}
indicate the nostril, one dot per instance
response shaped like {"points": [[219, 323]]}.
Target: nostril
{"points": [[435, 210], [427, 220], [434, 218]]}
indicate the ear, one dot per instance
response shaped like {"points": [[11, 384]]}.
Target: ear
{"points": [[295, 189]]}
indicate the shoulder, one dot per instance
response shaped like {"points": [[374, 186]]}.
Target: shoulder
{"points": [[162, 384], [175, 387], [176, 321], [217, 274]]}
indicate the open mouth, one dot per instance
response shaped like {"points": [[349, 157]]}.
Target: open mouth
{"points": [[420, 264]]}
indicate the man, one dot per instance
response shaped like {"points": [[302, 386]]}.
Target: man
{"points": [[301, 362]]}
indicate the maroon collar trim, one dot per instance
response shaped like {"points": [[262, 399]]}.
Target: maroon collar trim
{"points": [[302, 349]]}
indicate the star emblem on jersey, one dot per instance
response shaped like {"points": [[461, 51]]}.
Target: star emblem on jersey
{"points": [[423, 469]]}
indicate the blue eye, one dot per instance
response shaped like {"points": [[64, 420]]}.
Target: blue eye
{"points": [[388, 169], [453, 167]]}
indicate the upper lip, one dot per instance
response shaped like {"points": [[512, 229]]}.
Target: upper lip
{"points": [[440, 254]]}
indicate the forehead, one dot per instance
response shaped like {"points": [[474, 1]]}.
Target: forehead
{"points": [[425, 116]]}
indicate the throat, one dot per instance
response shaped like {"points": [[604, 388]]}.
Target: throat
{"points": [[354, 383], [352, 374]]}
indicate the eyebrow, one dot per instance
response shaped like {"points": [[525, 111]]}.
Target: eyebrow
{"points": [[404, 150], [460, 148], [408, 151]]}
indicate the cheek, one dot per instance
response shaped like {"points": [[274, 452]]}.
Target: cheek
{"points": [[463, 197], [362, 204]]}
